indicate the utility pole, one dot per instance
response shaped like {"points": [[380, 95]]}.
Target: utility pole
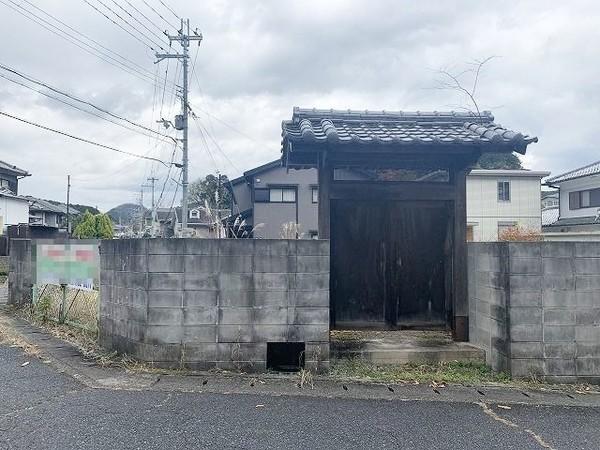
{"points": [[142, 209], [152, 180], [181, 122], [68, 206]]}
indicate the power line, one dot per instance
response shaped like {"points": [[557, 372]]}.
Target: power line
{"points": [[85, 102], [87, 141], [144, 16], [76, 41], [76, 107], [159, 15], [170, 10], [152, 32]]}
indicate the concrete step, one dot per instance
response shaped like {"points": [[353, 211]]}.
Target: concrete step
{"points": [[402, 347]]}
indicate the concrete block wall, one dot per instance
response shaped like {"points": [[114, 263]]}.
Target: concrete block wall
{"points": [[208, 303], [552, 296], [4, 263]]}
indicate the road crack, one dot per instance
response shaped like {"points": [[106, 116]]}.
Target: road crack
{"points": [[539, 439]]}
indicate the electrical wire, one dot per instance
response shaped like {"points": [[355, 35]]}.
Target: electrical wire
{"points": [[159, 15], [145, 17], [77, 138], [170, 10], [72, 97], [152, 32]]}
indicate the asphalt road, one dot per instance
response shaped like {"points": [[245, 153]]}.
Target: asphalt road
{"points": [[41, 408]]}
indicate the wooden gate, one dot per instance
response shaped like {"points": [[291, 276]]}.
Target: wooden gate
{"points": [[391, 263]]}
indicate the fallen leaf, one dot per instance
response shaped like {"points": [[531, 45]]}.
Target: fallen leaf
{"points": [[26, 363], [504, 407], [580, 392], [260, 406], [261, 381], [46, 361]]}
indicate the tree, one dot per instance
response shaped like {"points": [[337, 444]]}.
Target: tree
{"points": [[97, 226], [205, 190], [499, 161]]}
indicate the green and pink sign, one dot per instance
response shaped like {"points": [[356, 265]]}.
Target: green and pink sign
{"points": [[70, 263]]}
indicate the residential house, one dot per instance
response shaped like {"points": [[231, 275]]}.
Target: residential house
{"points": [[502, 199], [579, 204], [50, 214], [201, 223], [14, 209], [272, 196], [10, 176], [550, 199]]}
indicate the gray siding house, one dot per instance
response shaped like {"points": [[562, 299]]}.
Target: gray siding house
{"points": [[270, 196], [10, 176]]}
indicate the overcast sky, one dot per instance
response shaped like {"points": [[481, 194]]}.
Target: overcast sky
{"points": [[260, 58]]}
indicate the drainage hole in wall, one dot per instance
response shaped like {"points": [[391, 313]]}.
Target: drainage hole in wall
{"points": [[285, 356]]}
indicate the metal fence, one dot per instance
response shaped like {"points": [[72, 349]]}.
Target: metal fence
{"points": [[77, 307]]}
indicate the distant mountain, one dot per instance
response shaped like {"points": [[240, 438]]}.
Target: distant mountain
{"points": [[125, 214]]}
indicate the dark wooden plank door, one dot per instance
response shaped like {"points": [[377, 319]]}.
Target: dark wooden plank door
{"points": [[388, 263]]}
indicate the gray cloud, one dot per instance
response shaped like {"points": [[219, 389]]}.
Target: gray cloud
{"points": [[261, 58]]}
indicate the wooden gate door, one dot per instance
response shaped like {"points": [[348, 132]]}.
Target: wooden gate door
{"points": [[389, 263]]}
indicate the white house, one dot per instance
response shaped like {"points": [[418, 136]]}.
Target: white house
{"points": [[579, 205], [14, 209], [501, 199]]}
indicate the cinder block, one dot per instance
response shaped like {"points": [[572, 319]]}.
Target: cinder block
{"points": [[165, 281], [235, 316], [559, 299], [236, 247], [555, 333], [157, 353], [560, 367], [231, 352], [588, 366], [525, 283], [557, 249], [588, 316], [588, 283], [271, 298], [313, 264], [271, 281], [525, 316], [565, 282], [587, 266], [273, 247], [201, 263], [309, 298], [559, 317], [527, 350], [304, 333], [526, 368], [200, 316], [524, 249], [526, 333], [234, 333], [195, 334], [203, 352], [558, 266], [165, 316], [589, 333], [274, 264], [137, 263], [163, 334], [271, 316], [526, 298], [162, 246], [531, 266], [236, 281], [311, 281], [236, 263], [202, 246], [270, 333], [165, 263], [562, 350], [130, 280], [497, 280], [312, 247], [587, 249], [587, 300], [201, 281], [172, 299], [200, 299], [588, 349], [139, 298], [308, 316]]}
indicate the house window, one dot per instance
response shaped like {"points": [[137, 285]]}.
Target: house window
{"points": [[261, 195], [313, 234], [470, 233], [4, 183], [504, 191], [315, 194], [194, 214], [282, 195], [584, 199]]}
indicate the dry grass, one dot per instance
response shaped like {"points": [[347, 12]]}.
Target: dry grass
{"points": [[520, 234], [9, 337]]}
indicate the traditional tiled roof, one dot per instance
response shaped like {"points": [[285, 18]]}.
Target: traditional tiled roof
{"points": [[14, 169], [590, 169], [39, 204], [549, 216], [572, 221], [5, 192], [401, 128]]}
